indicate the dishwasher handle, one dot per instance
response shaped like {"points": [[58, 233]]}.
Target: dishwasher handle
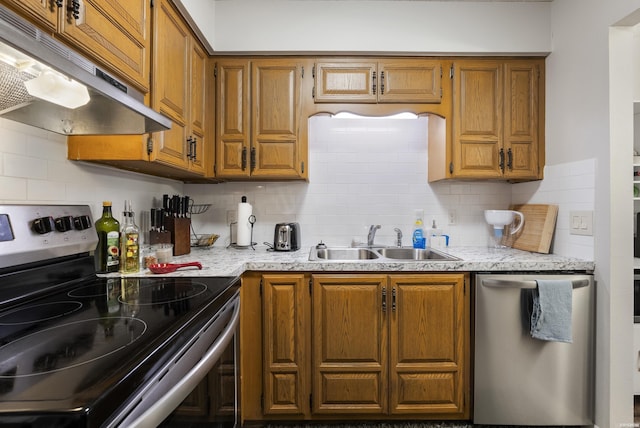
{"points": [[525, 284]]}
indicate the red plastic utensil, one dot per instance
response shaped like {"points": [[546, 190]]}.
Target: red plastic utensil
{"points": [[171, 267]]}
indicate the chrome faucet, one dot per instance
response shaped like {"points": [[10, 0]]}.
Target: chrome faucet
{"points": [[372, 234], [398, 237]]}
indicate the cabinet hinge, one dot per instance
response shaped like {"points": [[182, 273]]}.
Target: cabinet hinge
{"points": [[215, 71], [149, 146], [302, 167], [310, 286], [313, 71], [260, 287], [451, 72], [450, 167], [440, 71], [302, 72], [151, 3], [313, 92]]}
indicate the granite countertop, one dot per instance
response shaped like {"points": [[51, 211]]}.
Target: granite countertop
{"points": [[219, 261]]}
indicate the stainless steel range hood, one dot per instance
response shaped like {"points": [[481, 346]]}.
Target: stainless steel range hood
{"points": [[114, 107]]}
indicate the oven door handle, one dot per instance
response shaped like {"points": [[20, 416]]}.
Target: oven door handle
{"points": [[163, 407]]}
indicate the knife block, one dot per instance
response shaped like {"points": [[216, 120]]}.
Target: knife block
{"points": [[180, 234], [159, 237]]}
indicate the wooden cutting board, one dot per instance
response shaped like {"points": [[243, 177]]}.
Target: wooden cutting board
{"points": [[538, 229]]}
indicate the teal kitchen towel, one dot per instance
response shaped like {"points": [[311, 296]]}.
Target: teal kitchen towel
{"points": [[552, 306]]}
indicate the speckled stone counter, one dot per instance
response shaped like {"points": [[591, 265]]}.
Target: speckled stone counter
{"points": [[218, 261]]}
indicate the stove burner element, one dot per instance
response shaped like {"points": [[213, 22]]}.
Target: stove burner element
{"points": [[85, 345], [40, 312]]}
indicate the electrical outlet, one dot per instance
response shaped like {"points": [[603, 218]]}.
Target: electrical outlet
{"points": [[232, 216], [581, 223], [452, 218]]}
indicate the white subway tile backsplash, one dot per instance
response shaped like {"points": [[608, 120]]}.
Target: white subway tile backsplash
{"points": [[13, 189], [25, 166]]}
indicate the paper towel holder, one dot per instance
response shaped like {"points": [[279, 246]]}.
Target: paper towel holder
{"points": [[252, 220]]}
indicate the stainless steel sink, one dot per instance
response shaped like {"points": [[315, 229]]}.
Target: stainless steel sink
{"points": [[377, 253], [414, 254], [342, 254]]}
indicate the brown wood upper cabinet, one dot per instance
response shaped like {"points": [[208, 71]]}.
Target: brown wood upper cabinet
{"points": [[259, 128], [498, 119], [411, 80], [113, 33], [183, 91]]}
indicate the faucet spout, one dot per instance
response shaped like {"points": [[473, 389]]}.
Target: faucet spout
{"points": [[372, 234], [398, 237]]}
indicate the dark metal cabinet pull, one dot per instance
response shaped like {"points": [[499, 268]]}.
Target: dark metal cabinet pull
{"points": [[510, 159], [501, 164], [74, 8], [393, 299], [373, 80], [384, 299], [244, 158], [59, 3], [382, 83], [253, 158]]}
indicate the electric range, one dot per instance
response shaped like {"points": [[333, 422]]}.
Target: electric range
{"points": [[77, 350]]}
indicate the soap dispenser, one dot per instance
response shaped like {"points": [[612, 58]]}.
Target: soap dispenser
{"points": [[419, 240]]}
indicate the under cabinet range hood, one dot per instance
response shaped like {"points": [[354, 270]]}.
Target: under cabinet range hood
{"points": [[34, 66]]}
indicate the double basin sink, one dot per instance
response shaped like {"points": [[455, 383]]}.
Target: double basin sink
{"points": [[378, 253]]}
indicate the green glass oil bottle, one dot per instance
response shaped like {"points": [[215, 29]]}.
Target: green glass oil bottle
{"points": [[107, 254]]}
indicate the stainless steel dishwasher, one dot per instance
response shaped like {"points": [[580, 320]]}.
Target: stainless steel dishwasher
{"points": [[519, 380]]}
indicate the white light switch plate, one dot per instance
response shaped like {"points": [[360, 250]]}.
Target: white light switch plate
{"points": [[581, 223]]}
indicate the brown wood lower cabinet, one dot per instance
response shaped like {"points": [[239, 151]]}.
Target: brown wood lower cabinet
{"points": [[354, 346]]}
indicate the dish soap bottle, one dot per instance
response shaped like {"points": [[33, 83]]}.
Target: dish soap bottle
{"points": [[418, 233], [107, 254], [129, 245]]}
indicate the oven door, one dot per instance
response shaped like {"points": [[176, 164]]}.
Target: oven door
{"points": [[212, 354]]}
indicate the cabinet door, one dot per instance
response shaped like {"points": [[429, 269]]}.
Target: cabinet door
{"points": [[232, 118], [345, 82], [409, 81], [521, 129], [197, 102], [276, 109], [115, 33], [427, 336], [171, 67], [477, 130], [350, 363], [285, 356], [43, 13]]}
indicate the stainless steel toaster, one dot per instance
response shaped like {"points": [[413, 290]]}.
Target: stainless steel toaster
{"points": [[286, 237]]}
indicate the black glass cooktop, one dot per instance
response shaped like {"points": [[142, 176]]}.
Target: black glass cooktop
{"points": [[75, 351]]}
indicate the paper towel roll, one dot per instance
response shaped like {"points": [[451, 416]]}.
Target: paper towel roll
{"points": [[244, 227]]}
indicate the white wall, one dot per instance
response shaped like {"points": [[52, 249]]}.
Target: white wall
{"points": [[381, 26]]}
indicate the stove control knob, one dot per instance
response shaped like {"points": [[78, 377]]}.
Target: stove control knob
{"points": [[82, 222], [43, 225], [64, 223]]}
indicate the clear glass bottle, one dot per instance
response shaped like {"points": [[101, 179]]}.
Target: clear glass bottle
{"points": [[129, 241], [107, 254]]}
